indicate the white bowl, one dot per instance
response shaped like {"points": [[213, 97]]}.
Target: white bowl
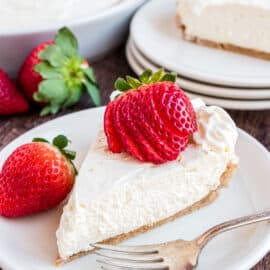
{"points": [[97, 35]]}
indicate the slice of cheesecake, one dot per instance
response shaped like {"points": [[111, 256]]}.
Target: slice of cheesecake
{"points": [[235, 25], [116, 196]]}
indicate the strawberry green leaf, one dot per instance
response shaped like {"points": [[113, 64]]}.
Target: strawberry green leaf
{"points": [[40, 140], [47, 71], [67, 42], [50, 109], [55, 107], [89, 72], [134, 83], [69, 154], [38, 97], [122, 85], [54, 91], [46, 110], [92, 90], [156, 77], [65, 74], [145, 77], [53, 55], [170, 77], [60, 141], [74, 97]]}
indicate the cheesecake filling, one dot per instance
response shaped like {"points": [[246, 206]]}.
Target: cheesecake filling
{"points": [[199, 5], [243, 23], [116, 194]]}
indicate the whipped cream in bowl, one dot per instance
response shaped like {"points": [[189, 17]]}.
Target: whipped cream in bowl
{"points": [[36, 13], [99, 26]]}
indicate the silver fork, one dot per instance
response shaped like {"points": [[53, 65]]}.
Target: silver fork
{"points": [[175, 255]]}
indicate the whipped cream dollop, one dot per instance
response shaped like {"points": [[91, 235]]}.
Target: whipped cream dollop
{"points": [[199, 5], [25, 13], [216, 130]]}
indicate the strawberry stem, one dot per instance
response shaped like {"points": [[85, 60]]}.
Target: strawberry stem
{"points": [[147, 77], [40, 140], [60, 141]]}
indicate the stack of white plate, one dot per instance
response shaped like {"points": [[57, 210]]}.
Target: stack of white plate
{"points": [[221, 78]]}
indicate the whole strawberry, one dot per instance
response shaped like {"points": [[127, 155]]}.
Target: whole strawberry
{"points": [[55, 76], [11, 100], [36, 177], [152, 120]]}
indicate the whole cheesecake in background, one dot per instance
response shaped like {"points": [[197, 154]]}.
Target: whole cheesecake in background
{"points": [[242, 26], [119, 193]]}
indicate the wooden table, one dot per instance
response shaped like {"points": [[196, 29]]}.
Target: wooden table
{"points": [[107, 70]]}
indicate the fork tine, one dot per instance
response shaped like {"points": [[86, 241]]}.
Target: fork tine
{"points": [[126, 249], [132, 266], [136, 258]]}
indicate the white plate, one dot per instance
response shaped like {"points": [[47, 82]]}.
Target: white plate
{"points": [[29, 243], [155, 32], [222, 102], [203, 88]]}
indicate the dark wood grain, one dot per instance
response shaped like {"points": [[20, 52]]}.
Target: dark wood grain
{"points": [[107, 70]]}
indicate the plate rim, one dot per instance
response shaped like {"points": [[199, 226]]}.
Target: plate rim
{"points": [[254, 256], [234, 92], [225, 103], [186, 71]]}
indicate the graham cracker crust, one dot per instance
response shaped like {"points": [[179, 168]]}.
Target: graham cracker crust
{"points": [[224, 179], [221, 46]]}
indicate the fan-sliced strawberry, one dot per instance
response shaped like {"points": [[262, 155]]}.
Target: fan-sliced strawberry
{"points": [[150, 125], [180, 112], [154, 120], [129, 109], [123, 134], [112, 136], [165, 129], [175, 109]]}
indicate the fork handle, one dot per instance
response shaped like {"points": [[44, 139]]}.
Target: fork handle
{"points": [[232, 224]]}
